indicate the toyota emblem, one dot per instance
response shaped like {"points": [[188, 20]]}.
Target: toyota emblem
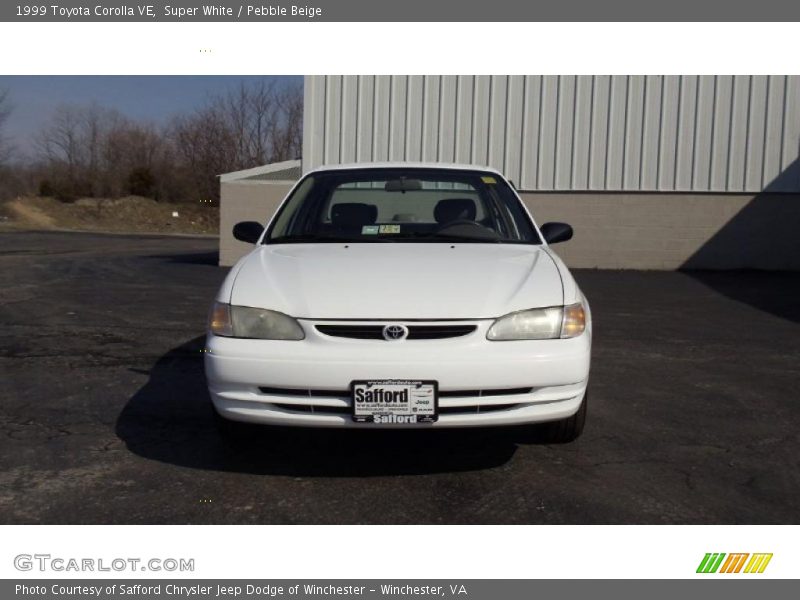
{"points": [[393, 333]]}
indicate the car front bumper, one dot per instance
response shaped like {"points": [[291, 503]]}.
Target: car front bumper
{"points": [[481, 383]]}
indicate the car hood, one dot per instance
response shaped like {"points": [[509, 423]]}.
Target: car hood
{"points": [[397, 280]]}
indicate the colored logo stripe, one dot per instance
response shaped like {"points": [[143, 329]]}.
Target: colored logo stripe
{"points": [[758, 563], [710, 562], [733, 564]]}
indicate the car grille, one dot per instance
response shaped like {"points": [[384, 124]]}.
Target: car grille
{"points": [[415, 332], [443, 410], [314, 408], [305, 393]]}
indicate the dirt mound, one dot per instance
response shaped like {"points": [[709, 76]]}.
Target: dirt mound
{"points": [[131, 214], [29, 214]]}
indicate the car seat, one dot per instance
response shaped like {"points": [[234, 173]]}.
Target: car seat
{"points": [[454, 209], [350, 217]]}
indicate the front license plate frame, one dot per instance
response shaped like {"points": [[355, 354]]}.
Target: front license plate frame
{"points": [[391, 406]]}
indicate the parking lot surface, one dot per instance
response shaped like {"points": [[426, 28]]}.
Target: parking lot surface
{"points": [[693, 414]]}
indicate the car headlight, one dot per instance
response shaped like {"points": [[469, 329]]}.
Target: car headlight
{"points": [[540, 324], [256, 323]]}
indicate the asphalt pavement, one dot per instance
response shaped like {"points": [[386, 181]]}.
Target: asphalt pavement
{"points": [[693, 416]]}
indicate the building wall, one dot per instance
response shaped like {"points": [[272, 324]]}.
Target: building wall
{"points": [[674, 230], [568, 133], [653, 172], [614, 230], [245, 201]]}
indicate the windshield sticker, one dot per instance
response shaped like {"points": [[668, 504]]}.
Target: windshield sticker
{"points": [[487, 179], [390, 228], [369, 230]]}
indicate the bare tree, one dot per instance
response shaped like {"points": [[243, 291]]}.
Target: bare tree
{"points": [[60, 141], [254, 124], [252, 115], [74, 146], [5, 112], [288, 137], [263, 118], [205, 147], [93, 151]]}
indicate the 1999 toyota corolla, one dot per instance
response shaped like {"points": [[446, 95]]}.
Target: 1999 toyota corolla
{"points": [[404, 296]]}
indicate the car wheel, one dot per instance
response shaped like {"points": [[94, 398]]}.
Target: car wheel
{"points": [[566, 430]]}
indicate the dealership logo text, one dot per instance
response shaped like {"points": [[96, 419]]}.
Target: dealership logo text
{"points": [[46, 562], [382, 395]]}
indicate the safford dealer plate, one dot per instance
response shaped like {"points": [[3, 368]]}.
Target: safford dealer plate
{"points": [[394, 401]]}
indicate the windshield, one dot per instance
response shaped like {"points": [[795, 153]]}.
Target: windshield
{"points": [[402, 205]]}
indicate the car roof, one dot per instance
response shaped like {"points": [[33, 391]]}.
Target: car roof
{"points": [[405, 165]]}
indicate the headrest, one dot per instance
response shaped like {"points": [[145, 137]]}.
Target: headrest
{"points": [[454, 209], [353, 214]]}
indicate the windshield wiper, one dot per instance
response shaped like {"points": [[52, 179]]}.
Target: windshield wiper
{"points": [[417, 236], [317, 237], [447, 237]]}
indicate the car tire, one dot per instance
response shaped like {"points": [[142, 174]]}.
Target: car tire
{"points": [[566, 430]]}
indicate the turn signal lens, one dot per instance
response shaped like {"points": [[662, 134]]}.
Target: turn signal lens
{"points": [[219, 321], [574, 321]]}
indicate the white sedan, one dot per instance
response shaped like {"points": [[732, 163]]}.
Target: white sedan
{"points": [[405, 296]]}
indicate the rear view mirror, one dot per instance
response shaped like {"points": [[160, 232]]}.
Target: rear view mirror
{"points": [[403, 185], [248, 231], [556, 232]]}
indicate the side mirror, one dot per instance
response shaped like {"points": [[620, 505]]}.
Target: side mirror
{"points": [[248, 231], [556, 232]]}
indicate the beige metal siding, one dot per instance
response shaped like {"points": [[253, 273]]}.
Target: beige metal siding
{"points": [[568, 133]]}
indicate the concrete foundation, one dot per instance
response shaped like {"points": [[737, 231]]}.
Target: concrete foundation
{"points": [[675, 230]]}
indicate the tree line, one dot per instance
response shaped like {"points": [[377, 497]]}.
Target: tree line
{"points": [[93, 151]]}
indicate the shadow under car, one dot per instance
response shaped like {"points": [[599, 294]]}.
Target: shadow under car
{"points": [[171, 420]]}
